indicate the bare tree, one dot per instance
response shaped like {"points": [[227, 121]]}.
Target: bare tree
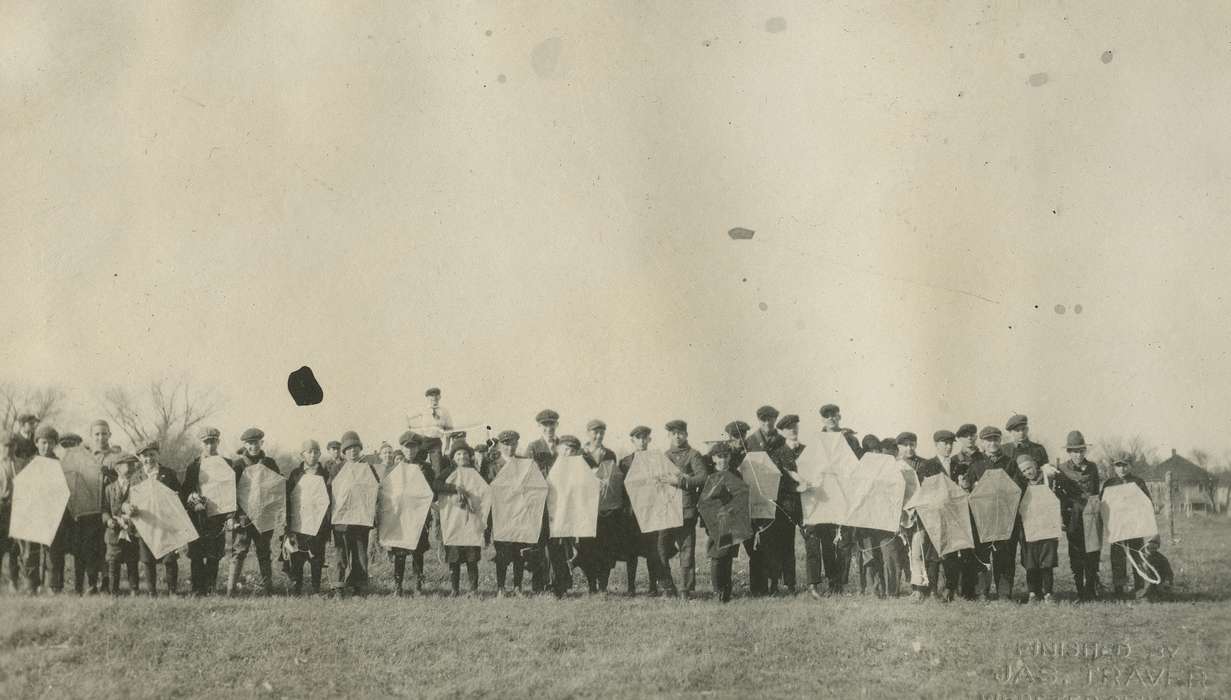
{"points": [[45, 402], [1201, 458], [1134, 448], [167, 411]]}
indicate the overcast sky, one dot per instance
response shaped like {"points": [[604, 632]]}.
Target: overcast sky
{"points": [[527, 205]]}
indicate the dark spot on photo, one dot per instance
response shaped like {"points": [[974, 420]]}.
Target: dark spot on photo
{"points": [[1038, 79], [763, 306], [740, 234], [775, 24], [1107, 56], [1077, 308], [1060, 309], [304, 388]]}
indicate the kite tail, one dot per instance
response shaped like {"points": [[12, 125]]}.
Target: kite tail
{"points": [[1153, 577], [882, 545], [986, 564]]}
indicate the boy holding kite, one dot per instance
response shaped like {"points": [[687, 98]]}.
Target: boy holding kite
{"points": [[152, 469], [123, 545], [304, 548], [205, 552], [416, 450]]}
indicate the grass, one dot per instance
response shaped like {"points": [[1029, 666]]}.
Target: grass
{"points": [[849, 646]]}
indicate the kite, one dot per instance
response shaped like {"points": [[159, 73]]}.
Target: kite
{"points": [[261, 494], [993, 502], [308, 504], [875, 493], [403, 501], [726, 516], [40, 495], [85, 482], [1127, 514], [944, 509], [217, 484], [824, 468], [354, 495], [464, 526], [160, 518], [1092, 524], [657, 506], [1040, 511], [762, 478], [572, 498], [519, 494]]}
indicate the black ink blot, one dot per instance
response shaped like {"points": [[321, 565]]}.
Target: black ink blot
{"points": [[741, 234], [304, 388]]}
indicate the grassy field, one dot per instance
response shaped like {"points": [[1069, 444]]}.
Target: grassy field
{"points": [[851, 646]]}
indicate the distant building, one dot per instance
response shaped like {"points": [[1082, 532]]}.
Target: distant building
{"points": [[1192, 486]]}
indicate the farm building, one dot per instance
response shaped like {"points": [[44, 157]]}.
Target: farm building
{"points": [[1193, 487]]}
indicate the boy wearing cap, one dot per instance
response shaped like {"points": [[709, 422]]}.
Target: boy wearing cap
{"points": [[333, 459], [353, 554], [838, 542], [1039, 558], [414, 452], [244, 534], [690, 477], [951, 563], [1019, 427], [721, 485], [506, 552], [49, 561], [89, 543], [1085, 476], [123, 545], [309, 549], [1003, 554], [561, 551], [1120, 551], [762, 577], [543, 451], [152, 469], [24, 448], [597, 556], [205, 552], [789, 513], [641, 545], [966, 450], [461, 456]]}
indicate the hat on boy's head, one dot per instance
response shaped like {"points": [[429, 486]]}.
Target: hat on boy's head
{"points": [[432, 392], [508, 437], [547, 416], [788, 421], [640, 432], [46, 432], [767, 413], [252, 435], [676, 426], [595, 424], [351, 439]]}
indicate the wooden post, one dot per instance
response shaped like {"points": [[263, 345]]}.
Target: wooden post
{"points": [[1167, 508]]}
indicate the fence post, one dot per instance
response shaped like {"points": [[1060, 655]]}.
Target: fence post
{"points": [[1167, 508]]}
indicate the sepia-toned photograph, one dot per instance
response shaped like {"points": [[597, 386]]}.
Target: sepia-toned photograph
{"points": [[625, 349]]}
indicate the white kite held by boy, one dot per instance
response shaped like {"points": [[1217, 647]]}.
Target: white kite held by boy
{"points": [[1127, 514], [762, 478], [40, 496], [355, 490], [85, 482], [993, 503], [519, 495], [160, 518], [944, 509], [404, 501], [876, 492], [261, 493], [463, 526], [657, 506], [308, 505], [217, 484], [824, 469], [572, 498], [1040, 509]]}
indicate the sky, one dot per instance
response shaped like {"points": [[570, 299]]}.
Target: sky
{"points": [[962, 211]]}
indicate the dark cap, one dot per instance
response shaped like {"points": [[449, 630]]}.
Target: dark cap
{"points": [[967, 430], [767, 413], [677, 426], [720, 449], [252, 434], [208, 433], [640, 431], [889, 444], [829, 410], [508, 437], [70, 440], [788, 421], [870, 442], [906, 437], [432, 392], [1121, 461], [595, 424], [460, 446], [547, 416], [737, 429], [571, 441], [27, 418], [333, 443], [989, 432], [126, 458], [351, 439], [46, 432], [1015, 422], [151, 446], [1075, 441], [406, 439], [943, 436]]}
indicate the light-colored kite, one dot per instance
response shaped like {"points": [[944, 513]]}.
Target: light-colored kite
{"points": [[762, 478], [875, 492], [308, 504], [657, 506], [1040, 509], [85, 482], [404, 501], [463, 526], [1127, 514], [993, 503], [572, 498], [355, 491], [40, 495], [1092, 524], [944, 509], [519, 495], [160, 518], [261, 494], [217, 484], [825, 468]]}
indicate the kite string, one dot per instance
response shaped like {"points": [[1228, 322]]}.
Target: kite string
{"points": [[1155, 578]]}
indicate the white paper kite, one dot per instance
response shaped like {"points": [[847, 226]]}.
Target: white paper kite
{"points": [[1127, 514], [762, 477], [875, 490], [1040, 511], [261, 494], [308, 505], [40, 495], [519, 495], [572, 498], [825, 467], [160, 518], [355, 490], [404, 500], [464, 527], [944, 509], [85, 482], [993, 502], [217, 484], [656, 506]]}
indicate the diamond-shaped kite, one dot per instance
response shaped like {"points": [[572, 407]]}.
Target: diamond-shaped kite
{"points": [[519, 495], [727, 520], [85, 482], [1127, 514], [40, 495], [404, 501], [354, 495], [261, 493], [657, 506], [993, 502], [308, 504], [572, 498], [762, 478], [464, 526], [825, 467], [1040, 511], [217, 484], [876, 492], [944, 509], [160, 518]]}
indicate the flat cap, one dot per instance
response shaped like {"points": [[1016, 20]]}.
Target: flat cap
{"points": [[720, 449], [888, 444], [989, 432], [408, 438], [943, 436], [907, 436], [788, 421], [1024, 458], [151, 446], [27, 418], [126, 458], [351, 439], [508, 437], [767, 413], [595, 424], [432, 391], [460, 446], [677, 426], [547, 416], [571, 441], [737, 429], [967, 430], [1121, 461], [70, 440], [252, 435], [870, 442], [332, 444], [829, 410], [208, 433], [309, 445], [1015, 422], [46, 432], [640, 431]]}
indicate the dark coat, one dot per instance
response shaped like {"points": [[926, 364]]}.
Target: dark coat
{"points": [[543, 454], [689, 461]]}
